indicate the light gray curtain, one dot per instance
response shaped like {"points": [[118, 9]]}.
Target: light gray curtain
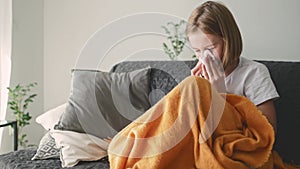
{"points": [[5, 55]]}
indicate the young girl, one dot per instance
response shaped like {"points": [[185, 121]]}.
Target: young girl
{"points": [[211, 27], [182, 131]]}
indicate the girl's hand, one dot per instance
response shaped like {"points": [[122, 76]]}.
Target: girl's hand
{"points": [[212, 70], [197, 70]]}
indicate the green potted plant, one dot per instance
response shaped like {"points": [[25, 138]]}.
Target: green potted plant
{"points": [[20, 97], [176, 36]]}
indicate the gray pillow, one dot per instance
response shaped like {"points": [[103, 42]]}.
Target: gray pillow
{"points": [[102, 103], [47, 148]]}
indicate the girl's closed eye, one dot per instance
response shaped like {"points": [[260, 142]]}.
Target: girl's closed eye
{"points": [[211, 48]]}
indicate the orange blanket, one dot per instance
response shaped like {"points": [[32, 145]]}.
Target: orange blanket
{"points": [[195, 127]]}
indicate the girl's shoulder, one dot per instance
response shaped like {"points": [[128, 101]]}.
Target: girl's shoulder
{"points": [[248, 65]]}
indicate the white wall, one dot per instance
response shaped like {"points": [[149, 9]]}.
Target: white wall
{"points": [[69, 24], [270, 30]]}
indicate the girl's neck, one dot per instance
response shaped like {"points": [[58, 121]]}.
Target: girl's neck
{"points": [[230, 68]]}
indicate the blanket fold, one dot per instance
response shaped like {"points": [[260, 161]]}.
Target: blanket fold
{"points": [[195, 127]]}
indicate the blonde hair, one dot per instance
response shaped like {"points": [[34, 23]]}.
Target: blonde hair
{"points": [[215, 18]]}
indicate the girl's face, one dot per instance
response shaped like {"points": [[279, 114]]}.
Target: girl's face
{"points": [[200, 42]]}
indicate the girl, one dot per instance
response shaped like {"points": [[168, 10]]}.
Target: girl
{"points": [[179, 131], [212, 30]]}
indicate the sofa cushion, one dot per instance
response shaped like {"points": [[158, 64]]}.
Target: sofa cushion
{"points": [[102, 103]]}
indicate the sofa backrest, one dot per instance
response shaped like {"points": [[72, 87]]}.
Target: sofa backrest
{"points": [[165, 75], [286, 76]]}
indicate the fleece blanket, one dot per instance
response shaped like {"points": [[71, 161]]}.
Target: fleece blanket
{"points": [[194, 126]]}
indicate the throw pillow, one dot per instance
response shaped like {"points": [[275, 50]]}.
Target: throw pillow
{"points": [[77, 147], [51, 117], [47, 148], [102, 103]]}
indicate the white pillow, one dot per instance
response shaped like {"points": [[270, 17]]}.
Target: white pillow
{"points": [[51, 117], [77, 147]]}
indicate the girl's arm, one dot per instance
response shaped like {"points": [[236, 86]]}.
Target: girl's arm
{"points": [[268, 109]]}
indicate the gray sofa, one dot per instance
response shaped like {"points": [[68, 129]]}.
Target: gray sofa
{"points": [[167, 74]]}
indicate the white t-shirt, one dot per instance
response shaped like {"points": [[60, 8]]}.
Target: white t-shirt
{"points": [[252, 80]]}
